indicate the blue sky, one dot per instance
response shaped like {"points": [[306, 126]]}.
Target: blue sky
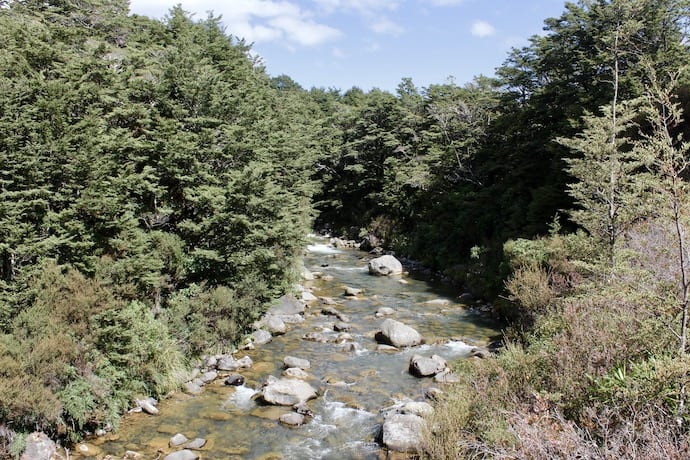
{"points": [[375, 43]]}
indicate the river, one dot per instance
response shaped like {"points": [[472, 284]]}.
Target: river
{"points": [[354, 381]]}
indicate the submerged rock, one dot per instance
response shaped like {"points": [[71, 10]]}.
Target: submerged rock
{"points": [[384, 311], [352, 292], [292, 419], [192, 388], [178, 440], [196, 444], [182, 455], [397, 334], [385, 266]]}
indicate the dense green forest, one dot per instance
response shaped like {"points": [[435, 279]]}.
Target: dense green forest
{"points": [[157, 187]]}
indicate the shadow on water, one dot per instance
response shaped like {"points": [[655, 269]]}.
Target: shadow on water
{"points": [[355, 380]]}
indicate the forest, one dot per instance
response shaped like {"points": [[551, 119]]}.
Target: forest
{"points": [[157, 187]]}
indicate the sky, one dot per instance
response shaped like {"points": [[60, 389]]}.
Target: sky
{"points": [[374, 43]]}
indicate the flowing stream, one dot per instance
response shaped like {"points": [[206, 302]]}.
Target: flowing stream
{"points": [[354, 381]]}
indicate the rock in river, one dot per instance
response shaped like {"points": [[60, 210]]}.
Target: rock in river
{"points": [[421, 366], [182, 455], [385, 265], [291, 361], [397, 334], [286, 391]]}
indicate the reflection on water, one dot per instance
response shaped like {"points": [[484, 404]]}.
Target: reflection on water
{"points": [[353, 385]]}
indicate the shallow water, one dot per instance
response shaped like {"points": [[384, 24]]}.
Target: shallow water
{"points": [[353, 384]]}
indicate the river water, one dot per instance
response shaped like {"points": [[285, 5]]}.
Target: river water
{"points": [[354, 381]]}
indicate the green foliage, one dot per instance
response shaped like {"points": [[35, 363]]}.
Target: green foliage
{"points": [[140, 159]]}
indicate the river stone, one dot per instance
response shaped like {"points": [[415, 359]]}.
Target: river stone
{"points": [[182, 455], [227, 363], [39, 447], [352, 292], [421, 366], [291, 361], [210, 362], [261, 337], [192, 388], [330, 311], [397, 334], [342, 326], [196, 444], [292, 419], [438, 302], [384, 311], [147, 406], [178, 440], [275, 325], [314, 336], [420, 408], [385, 265], [295, 373], [328, 301], [309, 297], [306, 275], [386, 348], [403, 432], [286, 391], [208, 377], [286, 306], [245, 362], [234, 380]]}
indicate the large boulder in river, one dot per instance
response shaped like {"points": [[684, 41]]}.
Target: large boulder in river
{"points": [[397, 334], [385, 265], [422, 366], [286, 391], [403, 432]]}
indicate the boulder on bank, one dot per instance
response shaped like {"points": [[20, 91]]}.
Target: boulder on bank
{"points": [[39, 447], [261, 337], [385, 265], [287, 305], [403, 432], [275, 325], [286, 391], [397, 334], [422, 366]]}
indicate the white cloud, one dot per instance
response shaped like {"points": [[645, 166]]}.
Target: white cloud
{"points": [[361, 6], [254, 20], [482, 29], [443, 2], [385, 26]]}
